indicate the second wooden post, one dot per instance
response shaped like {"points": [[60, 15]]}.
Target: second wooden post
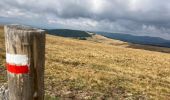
{"points": [[25, 58]]}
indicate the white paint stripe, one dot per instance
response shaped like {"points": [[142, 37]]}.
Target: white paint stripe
{"points": [[16, 59]]}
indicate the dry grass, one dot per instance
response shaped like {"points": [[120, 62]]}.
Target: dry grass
{"points": [[99, 69], [2, 56]]}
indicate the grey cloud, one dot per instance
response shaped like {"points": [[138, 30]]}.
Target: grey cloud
{"points": [[150, 17]]}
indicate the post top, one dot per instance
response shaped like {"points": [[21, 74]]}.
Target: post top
{"points": [[23, 27]]}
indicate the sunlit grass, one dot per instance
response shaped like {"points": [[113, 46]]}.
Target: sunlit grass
{"points": [[84, 69], [2, 56]]}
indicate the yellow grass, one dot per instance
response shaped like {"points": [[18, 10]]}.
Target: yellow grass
{"points": [[101, 68], [2, 56]]}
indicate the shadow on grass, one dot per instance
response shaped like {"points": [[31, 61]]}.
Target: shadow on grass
{"points": [[47, 97], [3, 75], [149, 48]]}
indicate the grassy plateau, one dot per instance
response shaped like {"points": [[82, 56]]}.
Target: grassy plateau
{"points": [[102, 69]]}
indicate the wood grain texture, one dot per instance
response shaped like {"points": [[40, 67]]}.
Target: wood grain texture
{"points": [[28, 41]]}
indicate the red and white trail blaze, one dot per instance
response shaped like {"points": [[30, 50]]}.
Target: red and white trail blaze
{"points": [[17, 64]]}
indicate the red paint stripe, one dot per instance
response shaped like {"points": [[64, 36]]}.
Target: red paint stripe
{"points": [[17, 69]]}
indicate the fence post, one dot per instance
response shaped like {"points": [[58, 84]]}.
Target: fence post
{"points": [[25, 59]]}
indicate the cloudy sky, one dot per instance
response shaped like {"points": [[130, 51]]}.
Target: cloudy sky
{"points": [[139, 17]]}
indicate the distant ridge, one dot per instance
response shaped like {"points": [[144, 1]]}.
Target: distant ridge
{"points": [[69, 33], [145, 40]]}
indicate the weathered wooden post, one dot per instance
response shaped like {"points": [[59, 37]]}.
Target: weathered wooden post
{"points": [[25, 57]]}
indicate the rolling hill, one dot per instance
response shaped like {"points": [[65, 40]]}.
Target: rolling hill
{"points": [[102, 69], [69, 33], [145, 40]]}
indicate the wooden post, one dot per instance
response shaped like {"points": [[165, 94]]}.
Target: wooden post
{"points": [[25, 59]]}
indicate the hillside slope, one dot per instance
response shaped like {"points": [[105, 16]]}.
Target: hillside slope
{"points": [[99, 68], [145, 40], [69, 33]]}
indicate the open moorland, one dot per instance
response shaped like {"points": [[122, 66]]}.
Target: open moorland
{"points": [[101, 68]]}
